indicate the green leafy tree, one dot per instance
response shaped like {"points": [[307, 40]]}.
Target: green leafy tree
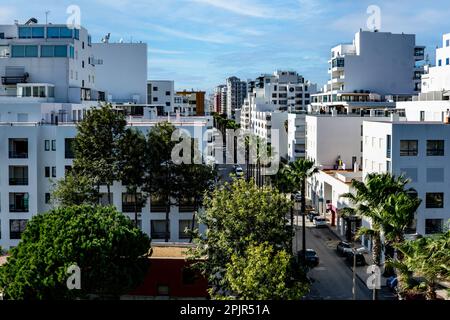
{"points": [[132, 169], [110, 252], [263, 273], [96, 146], [74, 190], [236, 215]]}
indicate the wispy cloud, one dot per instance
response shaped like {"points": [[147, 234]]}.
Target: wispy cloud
{"points": [[218, 38], [163, 51], [241, 7]]}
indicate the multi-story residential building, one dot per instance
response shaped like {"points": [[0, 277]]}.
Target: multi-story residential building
{"points": [[278, 93], [220, 98], [264, 122], [235, 95], [49, 82], [160, 94], [421, 152], [296, 136], [121, 72], [196, 99], [438, 78], [376, 70]]}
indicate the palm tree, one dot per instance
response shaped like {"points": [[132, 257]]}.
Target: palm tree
{"points": [[368, 200], [427, 257], [298, 172]]}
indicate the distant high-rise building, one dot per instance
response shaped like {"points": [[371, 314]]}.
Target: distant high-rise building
{"points": [[219, 97], [236, 93]]}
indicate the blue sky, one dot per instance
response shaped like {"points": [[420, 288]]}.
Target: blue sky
{"points": [[198, 43]]}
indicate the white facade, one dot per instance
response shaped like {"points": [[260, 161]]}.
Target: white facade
{"points": [[264, 123], [420, 151], [296, 136], [438, 77], [123, 72], [161, 94], [235, 95], [375, 70]]}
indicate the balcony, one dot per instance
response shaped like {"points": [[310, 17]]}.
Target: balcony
{"points": [[13, 80], [18, 148]]}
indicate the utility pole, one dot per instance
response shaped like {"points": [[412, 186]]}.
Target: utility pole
{"points": [[354, 273]]}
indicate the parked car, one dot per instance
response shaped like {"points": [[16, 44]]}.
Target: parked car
{"points": [[238, 171], [312, 215], [297, 196], [343, 248], [320, 222], [360, 260], [312, 259]]}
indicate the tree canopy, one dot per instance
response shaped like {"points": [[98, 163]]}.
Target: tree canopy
{"points": [[110, 252]]}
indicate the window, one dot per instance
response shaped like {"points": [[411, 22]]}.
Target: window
{"points": [[47, 198], [158, 229], [447, 43], [53, 145], [434, 200], [69, 148], [18, 202], [71, 52], [447, 61], [129, 202], [435, 147], [18, 148], [53, 172], [82, 63], [53, 51], [388, 146], [16, 228], [47, 145], [422, 115], [184, 225], [155, 88], [435, 175], [18, 175], [52, 32], [388, 166], [408, 148], [47, 172], [155, 99], [410, 173], [434, 226], [65, 32], [439, 62], [167, 93], [19, 51], [76, 34], [157, 203]]}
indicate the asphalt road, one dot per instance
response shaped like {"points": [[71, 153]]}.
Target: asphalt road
{"points": [[332, 278]]}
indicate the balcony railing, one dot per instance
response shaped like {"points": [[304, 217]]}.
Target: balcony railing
{"points": [[18, 181], [129, 207], [18, 155], [157, 207], [12, 80], [14, 208], [160, 235]]}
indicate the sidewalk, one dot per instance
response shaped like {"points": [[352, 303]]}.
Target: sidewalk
{"points": [[361, 271]]}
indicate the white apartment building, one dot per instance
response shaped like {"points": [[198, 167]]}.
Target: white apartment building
{"points": [[375, 70], [235, 94], [438, 78], [266, 121], [277, 94], [420, 151], [296, 136], [48, 82], [161, 94], [122, 72]]}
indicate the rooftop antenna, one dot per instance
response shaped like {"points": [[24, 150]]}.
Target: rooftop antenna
{"points": [[46, 16]]}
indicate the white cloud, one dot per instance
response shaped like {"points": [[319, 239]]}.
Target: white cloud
{"points": [[241, 7], [217, 38], [162, 51]]}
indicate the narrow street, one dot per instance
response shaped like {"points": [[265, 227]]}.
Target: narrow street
{"points": [[332, 278]]}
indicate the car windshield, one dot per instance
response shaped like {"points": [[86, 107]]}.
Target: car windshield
{"points": [[310, 253]]}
